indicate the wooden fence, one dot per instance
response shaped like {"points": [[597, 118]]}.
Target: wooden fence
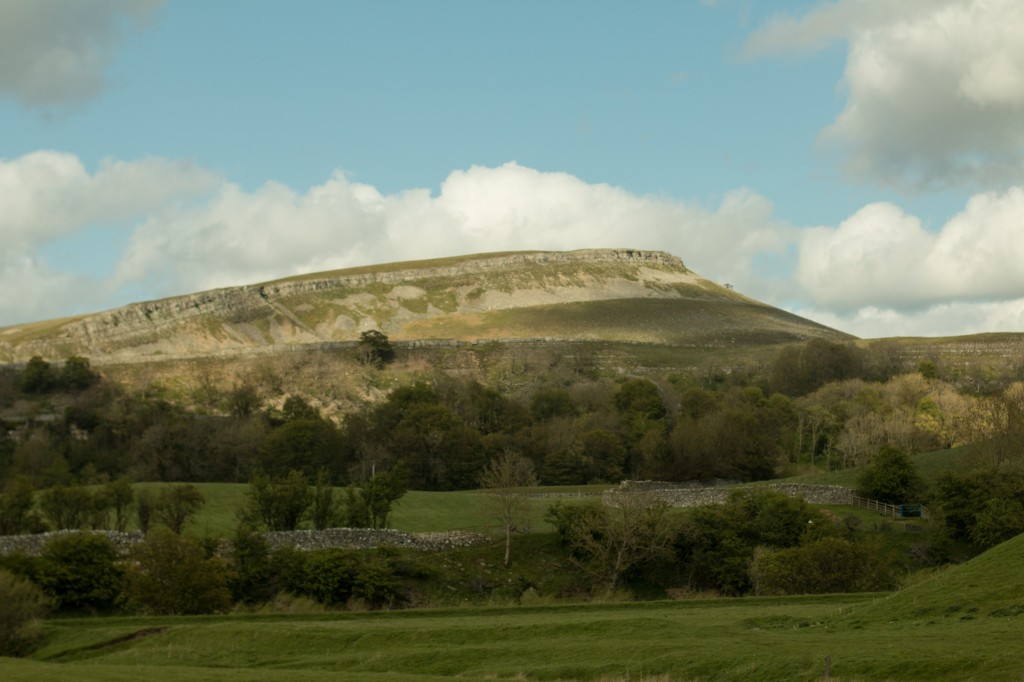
{"points": [[895, 511]]}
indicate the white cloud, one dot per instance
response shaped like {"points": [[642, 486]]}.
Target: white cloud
{"points": [[241, 237], [878, 273], [832, 21], [947, 319], [46, 194], [883, 257], [935, 89], [55, 52]]}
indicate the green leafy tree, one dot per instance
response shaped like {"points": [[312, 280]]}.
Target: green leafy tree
{"points": [[121, 498], [279, 502], [716, 544], [77, 374], [297, 408], [891, 477], [440, 451], [67, 507], [250, 578], [171, 574], [37, 377], [997, 521], [549, 403], [604, 456], [380, 493], [375, 348], [640, 398], [306, 445], [324, 509], [16, 513], [826, 565], [243, 401], [146, 503], [177, 504], [608, 542], [80, 571], [22, 606]]}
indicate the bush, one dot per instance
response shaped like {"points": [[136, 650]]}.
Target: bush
{"points": [[79, 571], [279, 502], [250, 579], [171, 575], [891, 477], [22, 604], [177, 504], [334, 577], [827, 565]]}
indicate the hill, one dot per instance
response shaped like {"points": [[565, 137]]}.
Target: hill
{"points": [[608, 295]]}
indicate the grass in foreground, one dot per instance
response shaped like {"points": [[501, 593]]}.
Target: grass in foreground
{"points": [[748, 639], [963, 623]]}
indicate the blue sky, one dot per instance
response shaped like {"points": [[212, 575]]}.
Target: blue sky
{"points": [[856, 161]]}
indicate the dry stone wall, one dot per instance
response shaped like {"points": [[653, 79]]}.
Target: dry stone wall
{"points": [[699, 495], [306, 540]]}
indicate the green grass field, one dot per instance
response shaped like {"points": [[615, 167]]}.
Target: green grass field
{"points": [[962, 624], [415, 512], [930, 465]]}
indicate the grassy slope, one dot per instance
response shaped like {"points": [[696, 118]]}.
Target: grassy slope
{"points": [[416, 512], [748, 639], [930, 465], [906, 636], [671, 321]]}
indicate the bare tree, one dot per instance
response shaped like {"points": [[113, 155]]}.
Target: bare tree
{"points": [[634, 527], [505, 477]]}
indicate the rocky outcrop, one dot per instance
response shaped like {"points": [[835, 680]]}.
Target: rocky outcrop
{"points": [[331, 307]]}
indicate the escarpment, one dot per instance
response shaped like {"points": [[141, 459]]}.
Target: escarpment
{"points": [[575, 295]]}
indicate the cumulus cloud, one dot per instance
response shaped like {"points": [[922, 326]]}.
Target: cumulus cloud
{"points": [[877, 273], [882, 258], [191, 230], [54, 53], [946, 319], [935, 89], [46, 194], [241, 237]]}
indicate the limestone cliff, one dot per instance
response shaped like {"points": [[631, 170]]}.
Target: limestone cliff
{"points": [[562, 295]]}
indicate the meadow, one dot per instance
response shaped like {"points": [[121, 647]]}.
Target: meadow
{"points": [[962, 624]]}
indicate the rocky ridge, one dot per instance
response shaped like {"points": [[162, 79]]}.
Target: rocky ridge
{"points": [[411, 302]]}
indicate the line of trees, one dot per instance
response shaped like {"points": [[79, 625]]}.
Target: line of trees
{"points": [[574, 430]]}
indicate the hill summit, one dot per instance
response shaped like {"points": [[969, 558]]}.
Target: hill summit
{"points": [[618, 295]]}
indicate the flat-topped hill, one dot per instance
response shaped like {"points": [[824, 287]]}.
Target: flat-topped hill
{"points": [[619, 295]]}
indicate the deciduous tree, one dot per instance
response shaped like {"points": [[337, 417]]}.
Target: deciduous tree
{"points": [[504, 478]]}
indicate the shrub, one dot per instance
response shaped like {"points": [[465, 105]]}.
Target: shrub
{"points": [[79, 571], [16, 515], [22, 604], [334, 577], [177, 504], [171, 574], [823, 566], [279, 502], [891, 477], [250, 579]]}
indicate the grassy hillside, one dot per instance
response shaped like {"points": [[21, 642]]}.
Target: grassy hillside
{"points": [[737, 639], [415, 512], [930, 465], [990, 586]]}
